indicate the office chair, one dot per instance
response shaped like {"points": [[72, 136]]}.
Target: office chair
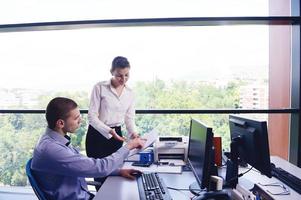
{"points": [[33, 182]]}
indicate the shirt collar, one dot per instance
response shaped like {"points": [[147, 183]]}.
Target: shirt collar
{"points": [[65, 140], [69, 140], [109, 83], [125, 89]]}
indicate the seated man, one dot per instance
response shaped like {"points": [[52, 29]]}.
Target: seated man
{"points": [[59, 168]]}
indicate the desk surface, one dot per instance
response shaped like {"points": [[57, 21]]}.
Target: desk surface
{"points": [[256, 177], [119, 188]]}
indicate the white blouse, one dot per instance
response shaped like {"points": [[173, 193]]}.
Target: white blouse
{"points": [[107, 109]]}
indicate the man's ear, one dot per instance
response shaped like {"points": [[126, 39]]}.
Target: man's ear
{"points": [[60, 123]]}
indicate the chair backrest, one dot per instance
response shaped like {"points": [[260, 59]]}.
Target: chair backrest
{"points": [[33, 181]]}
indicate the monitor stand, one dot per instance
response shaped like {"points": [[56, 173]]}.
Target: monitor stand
{"points": [[195, 189], [232, 165]]}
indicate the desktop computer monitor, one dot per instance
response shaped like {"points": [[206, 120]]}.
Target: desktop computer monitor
{"points": [[200, 152], [249, 143]]}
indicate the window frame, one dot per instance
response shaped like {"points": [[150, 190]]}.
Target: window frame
{"points": [[294, 133]]}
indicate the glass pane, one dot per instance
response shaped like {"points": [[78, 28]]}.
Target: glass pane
{"points": [[176, 125], [20, 132], [18, 11], [18, 135], [171, 67]]}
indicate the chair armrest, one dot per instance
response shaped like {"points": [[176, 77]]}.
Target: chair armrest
{"points": [[94, 183]]}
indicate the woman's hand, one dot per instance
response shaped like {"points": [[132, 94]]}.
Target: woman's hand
{"points": [[134, 135], [116, 136], [136, 143]]}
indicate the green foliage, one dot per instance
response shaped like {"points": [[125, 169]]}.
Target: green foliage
{"points": [[16, 121], [19, 132], [77, 139], [80, 97], [185, 95], [16, 148]]}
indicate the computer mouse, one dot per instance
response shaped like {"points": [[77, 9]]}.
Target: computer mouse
{"points": [[136, 173]]}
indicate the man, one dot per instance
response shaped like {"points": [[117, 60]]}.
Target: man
{"points": [[59, 168]]}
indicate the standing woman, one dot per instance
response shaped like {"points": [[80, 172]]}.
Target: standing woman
{"points": [[111, 105]]}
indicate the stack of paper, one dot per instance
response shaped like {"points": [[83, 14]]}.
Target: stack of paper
{"points": [[150, 138], [155, 168]]}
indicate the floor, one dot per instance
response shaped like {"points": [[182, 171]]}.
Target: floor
{"points": [[23, 193], [16, 193]]}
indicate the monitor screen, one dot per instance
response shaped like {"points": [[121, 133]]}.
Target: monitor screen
{"points": [[252, 142], [199, 151]]}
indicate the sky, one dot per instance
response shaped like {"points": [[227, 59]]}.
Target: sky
{"points": [[77, 59], [20, 11]]}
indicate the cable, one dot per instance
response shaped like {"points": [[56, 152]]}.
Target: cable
{"points": [[240, 175], [177, 189], [172, 188], [185, 189], [255, 170], [195, 196], [180, 190]]}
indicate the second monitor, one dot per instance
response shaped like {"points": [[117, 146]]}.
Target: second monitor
{"points": [[200, 153], [249, 143]]}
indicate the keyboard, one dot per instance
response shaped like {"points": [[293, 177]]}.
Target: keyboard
{"points": [[287, 178], [152, 187]]}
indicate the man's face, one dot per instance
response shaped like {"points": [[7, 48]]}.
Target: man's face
{"points": [[73, 121]]}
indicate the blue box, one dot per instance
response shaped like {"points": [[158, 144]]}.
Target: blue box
{"points": [[146, 156]]}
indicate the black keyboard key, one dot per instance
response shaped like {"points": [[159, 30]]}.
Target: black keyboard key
{"points": [[152, 187]]}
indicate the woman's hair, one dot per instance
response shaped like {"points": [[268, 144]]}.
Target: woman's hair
{"points": [[58, 108], [119, 62]]}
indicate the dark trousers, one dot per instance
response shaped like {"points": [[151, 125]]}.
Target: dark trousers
{"points": [[97, 146]]}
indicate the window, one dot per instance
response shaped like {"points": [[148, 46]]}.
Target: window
{"points": [[15, 11], [167, 62], [173, 67]]}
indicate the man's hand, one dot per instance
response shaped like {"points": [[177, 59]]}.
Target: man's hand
{"points": [[129, 173], [136, 143], [116, 136]]}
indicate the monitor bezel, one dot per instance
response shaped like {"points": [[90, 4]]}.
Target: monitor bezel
{"points": [[257, 131], [205, 179]]}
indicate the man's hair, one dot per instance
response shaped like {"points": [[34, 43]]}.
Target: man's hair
{"points": [[120, 62], [58, 108]]}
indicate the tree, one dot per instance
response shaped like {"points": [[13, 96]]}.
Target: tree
{"points": [[19, 132]]}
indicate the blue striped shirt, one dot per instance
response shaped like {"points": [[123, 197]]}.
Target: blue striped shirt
{"points": [[60, 169]]}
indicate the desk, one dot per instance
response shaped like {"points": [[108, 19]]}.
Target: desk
{"points": [[256, 177], [118, 188]]}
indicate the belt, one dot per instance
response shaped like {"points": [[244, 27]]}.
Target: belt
{"points": [[115, 127]]}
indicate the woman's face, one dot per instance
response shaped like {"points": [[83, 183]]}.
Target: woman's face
{"points": [[121, 76]]}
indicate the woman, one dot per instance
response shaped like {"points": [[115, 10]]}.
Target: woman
{"points": [[111, 105]]}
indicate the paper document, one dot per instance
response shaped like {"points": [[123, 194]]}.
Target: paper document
{"points": [[155, 168], [150, 139], [174, 162]]}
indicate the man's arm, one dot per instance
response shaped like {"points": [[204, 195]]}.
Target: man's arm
{"points": [[62, 160]]}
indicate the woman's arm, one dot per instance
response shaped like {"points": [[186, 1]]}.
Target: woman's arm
{"points": [[93, 113]]}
